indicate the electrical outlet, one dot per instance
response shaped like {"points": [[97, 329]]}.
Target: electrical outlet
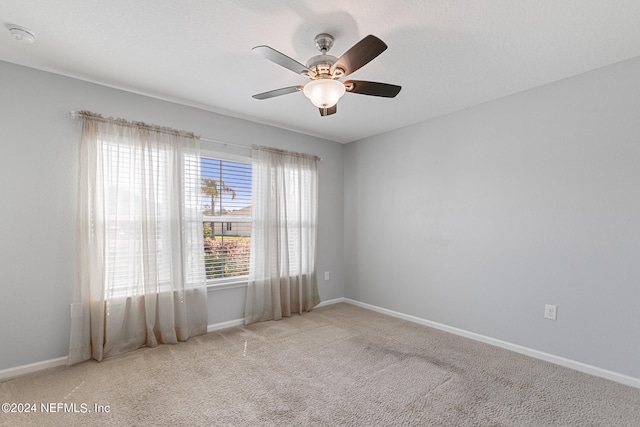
{"points": [[550, 311], [326, 275]]}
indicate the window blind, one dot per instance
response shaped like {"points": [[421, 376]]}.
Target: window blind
{"points": [[226, 201]]}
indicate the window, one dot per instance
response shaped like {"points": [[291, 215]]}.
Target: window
{"points": [[126, 189], [226, 201]]}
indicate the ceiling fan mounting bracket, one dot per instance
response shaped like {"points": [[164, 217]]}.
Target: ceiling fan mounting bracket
{"points": [[324, 42]]}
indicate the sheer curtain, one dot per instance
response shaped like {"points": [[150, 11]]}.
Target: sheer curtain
{"points": [[282, 271], [141, 274]]}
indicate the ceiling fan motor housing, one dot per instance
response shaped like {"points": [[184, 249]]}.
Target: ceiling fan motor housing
{"points": [[321, 64]]}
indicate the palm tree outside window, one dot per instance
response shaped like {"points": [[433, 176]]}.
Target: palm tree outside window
{"points": [[213, 189]]}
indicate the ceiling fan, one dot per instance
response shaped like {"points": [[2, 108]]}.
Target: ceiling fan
{"points": [[324, 90]]}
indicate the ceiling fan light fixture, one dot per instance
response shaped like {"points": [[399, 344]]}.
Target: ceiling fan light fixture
{"points": [[324, 93]]}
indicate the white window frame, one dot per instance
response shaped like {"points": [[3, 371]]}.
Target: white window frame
{"points": [[236, 281]]}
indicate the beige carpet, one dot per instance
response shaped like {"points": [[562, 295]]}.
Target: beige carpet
{"points": [[339, 365]]}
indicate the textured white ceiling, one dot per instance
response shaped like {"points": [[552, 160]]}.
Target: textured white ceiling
{"points": [[447, 55]]}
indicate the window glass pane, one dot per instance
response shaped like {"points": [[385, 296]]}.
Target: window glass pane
{"points": [[226, 200], [226, 253]]}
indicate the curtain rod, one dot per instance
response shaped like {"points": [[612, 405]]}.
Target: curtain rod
{"points": [[75, 114], [231, 144]]}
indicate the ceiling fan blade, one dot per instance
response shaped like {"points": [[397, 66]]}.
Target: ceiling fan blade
{"points": [[278, 92], [328, 111], [281, 59], [372, 88], [359, 55]]}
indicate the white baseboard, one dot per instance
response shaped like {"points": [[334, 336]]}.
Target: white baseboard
{"points": [[224, 325], [32, 367], [558, 360], [331, 301], [61, 361], [240, 322]]}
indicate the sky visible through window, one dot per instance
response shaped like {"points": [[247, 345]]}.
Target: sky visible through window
{"points": [[233, 181]]}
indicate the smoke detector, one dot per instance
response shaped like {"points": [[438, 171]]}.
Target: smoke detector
{"points": [[21, 34]]}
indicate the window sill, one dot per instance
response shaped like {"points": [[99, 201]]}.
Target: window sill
{"points": [[226, 285]]}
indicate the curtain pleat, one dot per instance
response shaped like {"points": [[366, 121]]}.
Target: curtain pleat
{"points": [[141, 278], [282, 272]]}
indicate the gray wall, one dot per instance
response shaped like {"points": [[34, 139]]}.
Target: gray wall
{"points": [[530, 199], [38, 174]]}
